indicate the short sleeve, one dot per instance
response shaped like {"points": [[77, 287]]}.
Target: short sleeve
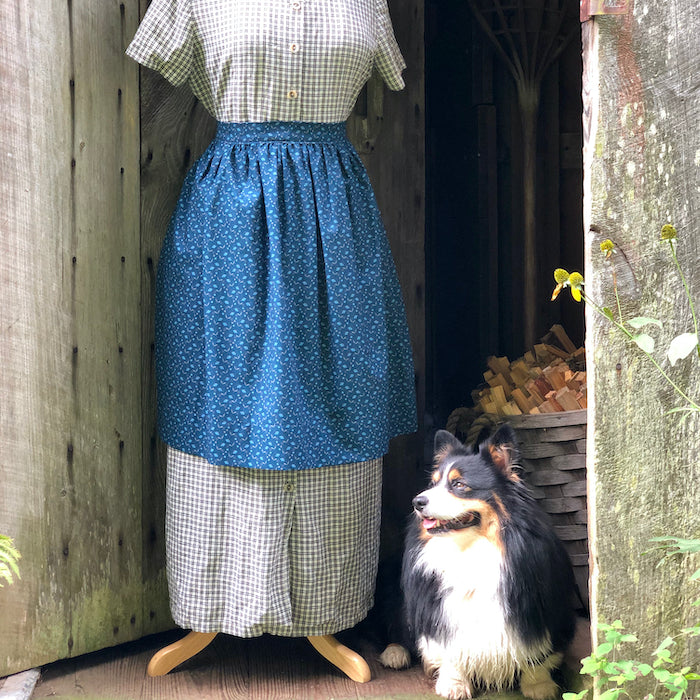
{"points": [[164, 40], [388, 59]]}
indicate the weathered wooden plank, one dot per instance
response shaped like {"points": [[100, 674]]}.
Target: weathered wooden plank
{"points": [[230, 669], [71, 350], [175, 129], [31, 410], [103, 529], [642, 111]]}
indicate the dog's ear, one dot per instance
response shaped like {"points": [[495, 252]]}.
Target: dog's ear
{"points": [[445, 442], [502, 450]]}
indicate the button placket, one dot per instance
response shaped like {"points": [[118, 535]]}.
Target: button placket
{"points": [[296, 33]]}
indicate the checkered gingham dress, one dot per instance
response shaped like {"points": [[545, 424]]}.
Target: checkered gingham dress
{"points": [[282, 354]]}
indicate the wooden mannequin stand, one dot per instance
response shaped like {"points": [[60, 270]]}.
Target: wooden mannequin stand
{"points": [[348, 661]]}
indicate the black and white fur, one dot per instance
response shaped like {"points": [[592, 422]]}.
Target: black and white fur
{"points": [[488, 587]]}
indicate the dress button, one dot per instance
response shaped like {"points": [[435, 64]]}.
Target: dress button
{"points": [[289, 487], [296, 5], [294, 48], [292, 94]]}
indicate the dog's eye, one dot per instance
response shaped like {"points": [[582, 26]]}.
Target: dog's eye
{"points": [[459, 485]]}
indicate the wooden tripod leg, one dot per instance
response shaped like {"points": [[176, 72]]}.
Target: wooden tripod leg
{"points": [[348, 661], [176, 653]]}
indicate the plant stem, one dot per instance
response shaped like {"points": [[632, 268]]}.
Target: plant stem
{"points": [[687, 293], [617, 296], [678, 390]]}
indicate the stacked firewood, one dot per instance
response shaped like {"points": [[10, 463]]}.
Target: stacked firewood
{"points": [[549, 378]]}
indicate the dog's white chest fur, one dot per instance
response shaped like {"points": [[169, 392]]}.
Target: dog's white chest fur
{"points": [[479, 643]]}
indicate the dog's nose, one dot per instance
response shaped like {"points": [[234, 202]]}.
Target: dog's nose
{"points": [[419, 502]]}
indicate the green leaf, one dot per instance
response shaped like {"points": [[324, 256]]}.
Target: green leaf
{"points": [[612, 694], [608, 313], [681, 346], [628, 638], [641, 321], [9, 556], [575, 696], [668, 642], [604, 649], [680, 682], [589, 666], [644, 669], [661, 674], [683, 409], [644, 342]]}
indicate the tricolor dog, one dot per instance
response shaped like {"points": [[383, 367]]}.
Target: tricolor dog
{"points": [[488, 587]]}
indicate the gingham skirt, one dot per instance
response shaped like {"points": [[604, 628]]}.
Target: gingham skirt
{"points": [[287, 553]]}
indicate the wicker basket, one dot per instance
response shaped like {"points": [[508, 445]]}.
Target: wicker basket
{"points": [[553, 457]]}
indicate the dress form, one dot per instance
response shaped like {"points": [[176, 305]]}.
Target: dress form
{"points": [[348, 661], [165, 43]]}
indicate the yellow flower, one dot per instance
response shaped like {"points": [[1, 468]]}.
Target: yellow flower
{"points": [[561, 277], [576, 284], [564, 278], [668, 232], [607, 247]]}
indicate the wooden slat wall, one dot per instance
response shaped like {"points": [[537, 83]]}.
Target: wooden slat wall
{"points": [[396, 168], [175, 129], [87, 190], [70, 441]]}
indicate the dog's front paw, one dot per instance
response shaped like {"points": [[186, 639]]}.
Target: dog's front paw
{"points": [[538, 685], [452, 688], [395, 656]]}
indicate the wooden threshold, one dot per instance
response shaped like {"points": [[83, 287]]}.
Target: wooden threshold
{"points": [[265, 668]]}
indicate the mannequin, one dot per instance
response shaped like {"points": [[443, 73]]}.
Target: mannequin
{"points": [[283, 362], [349, 662]]}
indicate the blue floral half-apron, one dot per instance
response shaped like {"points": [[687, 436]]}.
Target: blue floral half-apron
{"points": [[281, 339]]}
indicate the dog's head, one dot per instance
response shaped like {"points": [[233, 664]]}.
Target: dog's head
{"points": [[466, 498]]}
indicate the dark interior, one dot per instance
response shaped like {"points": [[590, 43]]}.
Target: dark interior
{"points": [[474, 271]]}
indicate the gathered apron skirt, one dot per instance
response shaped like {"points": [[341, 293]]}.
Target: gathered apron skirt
{"points": [[283, 369], [281, 337]]}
